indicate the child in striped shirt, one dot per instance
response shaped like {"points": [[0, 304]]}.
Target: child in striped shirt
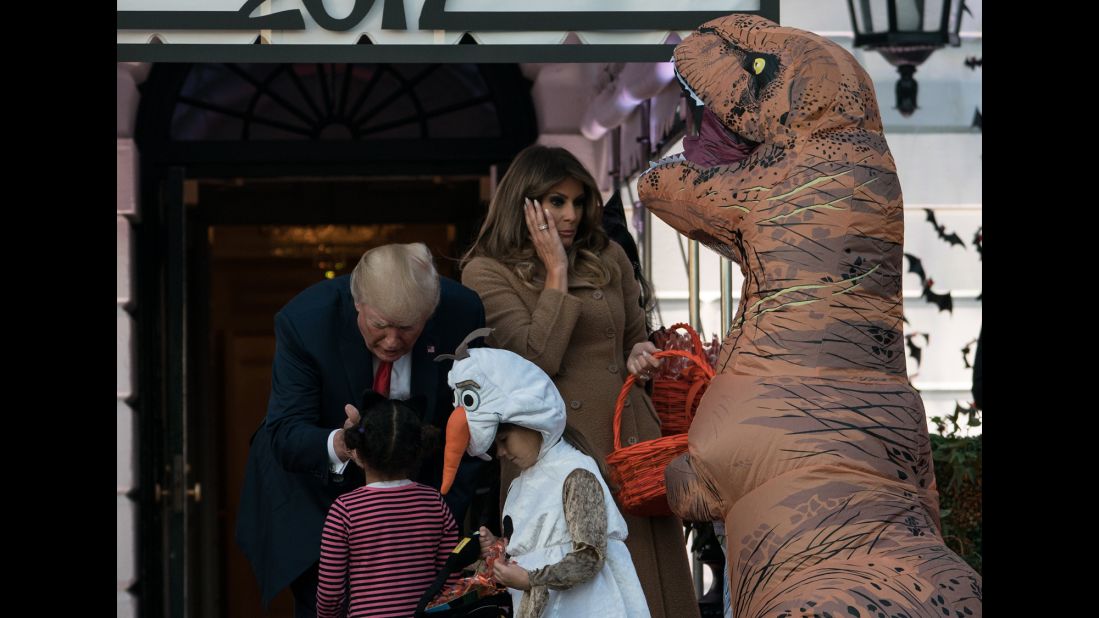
{"points": [[384, 542]]}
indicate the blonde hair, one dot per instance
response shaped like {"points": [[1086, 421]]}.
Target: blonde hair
{"points": [[399, 281], [504, 235]]}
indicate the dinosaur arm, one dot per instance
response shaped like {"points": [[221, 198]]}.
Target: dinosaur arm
{"points": [[690, 497]]}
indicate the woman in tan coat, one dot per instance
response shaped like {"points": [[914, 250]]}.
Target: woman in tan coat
{"points": [[558, 292]]}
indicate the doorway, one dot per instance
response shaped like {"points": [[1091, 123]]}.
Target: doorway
{"points": [[259, 180], [258, 243]]}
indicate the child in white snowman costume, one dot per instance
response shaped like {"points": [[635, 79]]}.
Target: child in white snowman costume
{"points": [[568, 556]]}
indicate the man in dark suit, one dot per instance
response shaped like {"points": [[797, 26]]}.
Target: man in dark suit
{"points": [[379, 328]]}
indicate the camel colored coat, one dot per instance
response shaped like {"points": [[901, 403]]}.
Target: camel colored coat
{"points": [[581, 340]]}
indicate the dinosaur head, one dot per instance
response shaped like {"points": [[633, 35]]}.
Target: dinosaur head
{"points": [[769, 88]]}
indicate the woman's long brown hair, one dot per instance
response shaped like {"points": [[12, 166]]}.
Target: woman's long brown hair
{"points": [[504, 235]]}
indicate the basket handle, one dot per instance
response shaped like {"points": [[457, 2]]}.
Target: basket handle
{"points": [[695, 340], [688, 409], [620, 403]]}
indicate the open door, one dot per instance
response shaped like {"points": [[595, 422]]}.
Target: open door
{"points": [[170, 490]]}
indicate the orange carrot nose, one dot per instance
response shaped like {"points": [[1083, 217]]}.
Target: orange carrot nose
{"points": [[457, 441]]}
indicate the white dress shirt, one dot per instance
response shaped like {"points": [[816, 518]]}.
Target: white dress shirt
{"points": [[400, 387]]}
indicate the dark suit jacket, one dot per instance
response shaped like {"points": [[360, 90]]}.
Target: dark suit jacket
{"points": [[322, 363]]}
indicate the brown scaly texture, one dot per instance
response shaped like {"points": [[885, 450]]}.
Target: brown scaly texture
{"points": [[810, 443]]}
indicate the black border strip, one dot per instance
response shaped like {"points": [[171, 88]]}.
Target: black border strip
{"points": [[207, 20], [187, 52]]}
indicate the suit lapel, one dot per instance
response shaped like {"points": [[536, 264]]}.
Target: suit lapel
{"points": [[358, 362], [425, 373]]}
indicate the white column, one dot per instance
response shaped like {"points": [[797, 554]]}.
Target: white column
{"points": [[128, 76]]}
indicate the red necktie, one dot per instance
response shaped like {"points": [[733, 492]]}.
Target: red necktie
{"points": [[381, 379]]}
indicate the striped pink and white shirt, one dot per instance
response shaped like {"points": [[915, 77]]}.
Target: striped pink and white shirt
{"points": [[390, 542]]}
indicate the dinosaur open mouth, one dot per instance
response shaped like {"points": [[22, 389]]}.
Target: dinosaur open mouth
{"points": [[713, 145]]}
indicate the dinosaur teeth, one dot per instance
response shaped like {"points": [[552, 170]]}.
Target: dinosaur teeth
{"points": [[675, 158]]}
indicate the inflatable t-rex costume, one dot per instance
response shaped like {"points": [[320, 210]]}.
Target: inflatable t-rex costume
{"points": [[810, 443]]}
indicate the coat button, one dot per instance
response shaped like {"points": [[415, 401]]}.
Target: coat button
{"points": [[574, 404], [597, 295], [627, 404], [612, 368], [609, 332], [631, 440], [561, 370]]}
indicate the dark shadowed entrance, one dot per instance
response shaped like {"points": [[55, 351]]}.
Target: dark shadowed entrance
{"points": [[258, 180]]}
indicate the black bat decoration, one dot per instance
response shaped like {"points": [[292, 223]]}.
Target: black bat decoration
{"points": [[970, 410], [951, 238], [915, 351], [944, 301], [916, 266], [978, 240], [965, 353]]}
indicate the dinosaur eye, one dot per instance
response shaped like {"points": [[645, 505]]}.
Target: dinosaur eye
{"points": [[758, 65]]}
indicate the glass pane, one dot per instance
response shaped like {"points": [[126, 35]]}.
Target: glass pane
{"points": [[879, 15], [909, 15]]}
